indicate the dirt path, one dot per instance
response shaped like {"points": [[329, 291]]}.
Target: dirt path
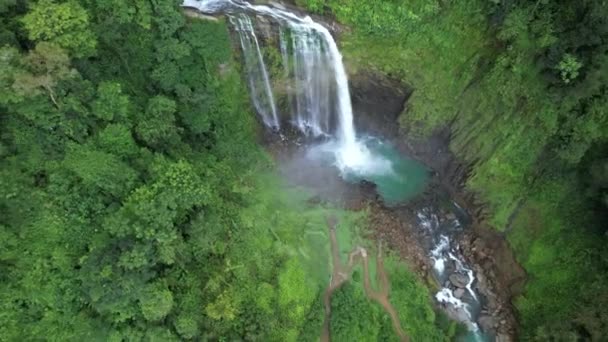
{"points": [[381, 296], [341, 273]]}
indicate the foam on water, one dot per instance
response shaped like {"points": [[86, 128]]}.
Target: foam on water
{"points": [[437, 254]]}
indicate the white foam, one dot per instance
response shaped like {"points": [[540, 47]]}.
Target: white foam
{"points": [[460, 267], [438, 254]]}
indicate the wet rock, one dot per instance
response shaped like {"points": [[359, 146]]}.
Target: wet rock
{"points": [[459, 280], [377, 102], [367, 186], [482, 284], [264, 26], [457, 313], [278, 5], [486, 323], [458, 293], [450, 216], [192, 13]]}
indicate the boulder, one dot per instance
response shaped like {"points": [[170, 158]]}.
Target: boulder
{"points": [[278, 5], [503, 338], [459, 280], [486, 323], [458, 293]]}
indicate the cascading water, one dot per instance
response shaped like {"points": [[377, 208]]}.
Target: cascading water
{"points": [[259, 82], [321, 103], [457, 295], [307, 65]]}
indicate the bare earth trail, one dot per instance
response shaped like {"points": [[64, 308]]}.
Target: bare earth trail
{"points": [[342, 273]]}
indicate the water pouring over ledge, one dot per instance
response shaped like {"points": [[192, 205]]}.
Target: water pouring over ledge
{"points": [[322, 104]]}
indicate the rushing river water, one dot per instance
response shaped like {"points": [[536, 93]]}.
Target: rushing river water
{"points": [[320, 107], [457, 279]]}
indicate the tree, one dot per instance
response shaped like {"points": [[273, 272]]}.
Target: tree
{"points": [[569, 68], [125, 12], [41, 70], [156, 302], [117, 140], [100, 171], [111, 104], [65, 24], [157, 125], [6, 4]]}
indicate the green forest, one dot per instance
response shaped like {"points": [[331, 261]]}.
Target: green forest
{"points": [[137, 204]]}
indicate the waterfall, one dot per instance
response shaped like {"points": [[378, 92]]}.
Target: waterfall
{"points": [[320, 102], [259, 82], [308, 68]]}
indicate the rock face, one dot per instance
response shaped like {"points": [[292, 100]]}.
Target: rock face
{"points": [[377, 103], [459, 280]]}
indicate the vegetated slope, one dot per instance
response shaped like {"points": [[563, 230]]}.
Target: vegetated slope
{"points": [[134, 202], [523, 88]]}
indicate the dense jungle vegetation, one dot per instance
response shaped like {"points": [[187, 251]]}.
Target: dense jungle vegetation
{"points": [[135, 203], [523, 87]]}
